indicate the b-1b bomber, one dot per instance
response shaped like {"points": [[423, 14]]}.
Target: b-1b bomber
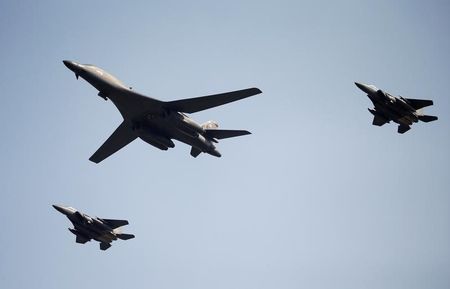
{"points": [[404, 111], [157, 122]]}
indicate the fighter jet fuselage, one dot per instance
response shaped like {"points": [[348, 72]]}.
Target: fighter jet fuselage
{"points": [[157, 122], [404, 111], [87, 228]]}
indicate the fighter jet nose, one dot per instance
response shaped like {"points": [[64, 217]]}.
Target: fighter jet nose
{"points": [[359, 85], [60, 209], [364, 87], [67, 63]]}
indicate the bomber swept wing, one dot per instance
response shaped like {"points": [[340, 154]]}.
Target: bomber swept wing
{"points": [[122, 136], [192, 105]]}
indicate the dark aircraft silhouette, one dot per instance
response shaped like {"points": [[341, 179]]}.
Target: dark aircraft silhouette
{"points": [[157, 122], [87, 228], [404, 111]]}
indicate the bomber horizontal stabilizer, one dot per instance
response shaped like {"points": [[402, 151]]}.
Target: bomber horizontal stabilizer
{"points": [[122, 136], [115, 223], [225, 133], [427, 118], [192, 105], [419, 103]]}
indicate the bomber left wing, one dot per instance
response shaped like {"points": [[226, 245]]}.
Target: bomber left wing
{"points": [[192, 105]]}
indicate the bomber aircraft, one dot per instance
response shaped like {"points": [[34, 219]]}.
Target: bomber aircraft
{"points": [[86, 228], [404, 111], [157, 122]]}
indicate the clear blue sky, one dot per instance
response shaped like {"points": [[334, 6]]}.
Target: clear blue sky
{"points": [[316, 197]]}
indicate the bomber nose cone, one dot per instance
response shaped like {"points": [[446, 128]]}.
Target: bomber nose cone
{"points": [[69, 64]]}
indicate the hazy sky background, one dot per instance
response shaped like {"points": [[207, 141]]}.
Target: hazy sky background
{"points": [[316, 197]]}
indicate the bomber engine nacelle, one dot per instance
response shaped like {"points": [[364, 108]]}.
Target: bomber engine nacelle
{"points": [[210, 124]]}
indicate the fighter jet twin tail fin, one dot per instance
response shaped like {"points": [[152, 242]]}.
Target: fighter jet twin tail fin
{"points": [[115, 223], [125, 236], [427, 118], [418, 103]]}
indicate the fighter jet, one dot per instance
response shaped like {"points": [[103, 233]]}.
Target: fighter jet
{"points": [[404, 111], [157, 122], [86, 228]]}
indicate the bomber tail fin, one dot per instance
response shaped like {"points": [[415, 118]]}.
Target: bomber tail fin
{"points": [[427, 118]]}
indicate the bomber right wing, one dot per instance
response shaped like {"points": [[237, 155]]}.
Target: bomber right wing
{"points": [[192, 105], [122, 136]]}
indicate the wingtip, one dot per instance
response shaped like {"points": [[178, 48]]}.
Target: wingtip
{"points": [[257, 90], [92, 159]]}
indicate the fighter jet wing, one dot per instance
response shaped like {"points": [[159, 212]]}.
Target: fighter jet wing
{"points": [[115, 223], [122, 136], [81, 240], [419, 103], [191, 105], [379, 120]]}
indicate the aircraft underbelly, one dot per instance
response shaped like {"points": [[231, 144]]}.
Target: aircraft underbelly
{"points": [[106, 238], [179, 130], [191, 140]]}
